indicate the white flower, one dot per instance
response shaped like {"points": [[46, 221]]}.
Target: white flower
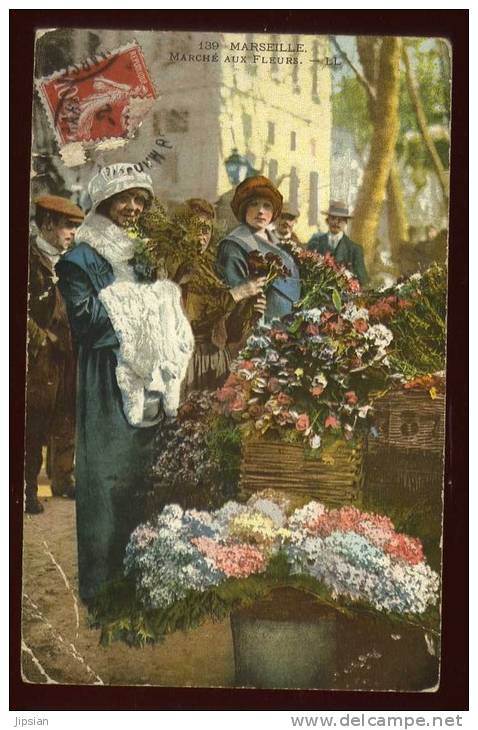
{"points": [[315, 441], [362, 412], [319, 379], [313, 315], [352, 313]]}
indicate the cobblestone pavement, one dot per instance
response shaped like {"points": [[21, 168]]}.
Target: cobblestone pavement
{"points": [[59, 647]]}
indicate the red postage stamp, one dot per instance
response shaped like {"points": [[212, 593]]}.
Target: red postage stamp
{"points": [[99, 99]]}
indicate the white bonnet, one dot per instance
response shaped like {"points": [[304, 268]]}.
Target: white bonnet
{"points": [[113, 179]]}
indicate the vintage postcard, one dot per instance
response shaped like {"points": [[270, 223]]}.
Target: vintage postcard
{"points": [[237, 316]]}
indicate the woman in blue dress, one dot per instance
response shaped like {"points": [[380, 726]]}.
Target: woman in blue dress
{"points": [[111, 454], [256, 204]]}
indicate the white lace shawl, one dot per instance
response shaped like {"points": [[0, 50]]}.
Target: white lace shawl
{"points": [[156, 340], [110, 241], [156, 344]]}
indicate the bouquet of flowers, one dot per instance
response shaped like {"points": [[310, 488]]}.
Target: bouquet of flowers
{"points": [[315, 372], [323, 280], [197, 457], [269, 266], [414, 309], [353, 555]]}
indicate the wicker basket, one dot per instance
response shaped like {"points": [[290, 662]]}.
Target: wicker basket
{"points": [[412, 420], [334, 479]]}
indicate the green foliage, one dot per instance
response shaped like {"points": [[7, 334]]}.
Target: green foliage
{"points": [[224, 440], [350, 111], [431, 65], [420, 332]]}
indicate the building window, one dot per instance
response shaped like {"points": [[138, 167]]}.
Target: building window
{"points": [[295, 69], [247, 126], [251, 68], [293, 141], [171, 121], [315, 72], [273, 171], [313, 198], [274, 66], [293, 187], [271, 132]]}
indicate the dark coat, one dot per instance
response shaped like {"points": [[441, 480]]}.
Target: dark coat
{"points": [[348, 253], [111, 455], [232, 266], [51, 372]]}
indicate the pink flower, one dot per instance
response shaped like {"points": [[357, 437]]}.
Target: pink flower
{"points": [[354, 285], [236, 560], [245, 365], [273, 386], [303, 422], [405, 548], [331, 422], [225, 394], [361, 325], [256, 411], [283, 418], [351, 397], [280, 336], [283, 399], [317, 390], [238, 404], [232, 381], [312, 329]]}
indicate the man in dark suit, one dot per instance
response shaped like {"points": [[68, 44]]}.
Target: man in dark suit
{"points": [[336, 242]]}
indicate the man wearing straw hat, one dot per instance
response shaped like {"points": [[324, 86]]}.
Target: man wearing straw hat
{"points": [[337, 243]]}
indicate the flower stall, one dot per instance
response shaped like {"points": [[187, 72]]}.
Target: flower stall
{"points": [[261, 503], [186, 566]]}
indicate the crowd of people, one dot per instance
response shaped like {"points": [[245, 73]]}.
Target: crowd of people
{"points": [[109, 357]]}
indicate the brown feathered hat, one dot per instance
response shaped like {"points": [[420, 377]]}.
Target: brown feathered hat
{"points": [[255, 187]]}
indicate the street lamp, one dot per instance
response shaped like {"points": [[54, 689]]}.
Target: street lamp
{"points": [[238, 167]]}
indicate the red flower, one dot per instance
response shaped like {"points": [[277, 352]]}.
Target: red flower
{"points": [[404, 304], [331, 422], [351, 397], [303, 422]]}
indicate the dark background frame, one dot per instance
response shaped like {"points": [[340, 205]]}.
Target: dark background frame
{"points": [[451, 24]]}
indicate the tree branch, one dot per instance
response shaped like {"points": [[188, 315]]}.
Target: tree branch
{"points": [[423, 124], [360, 77]]}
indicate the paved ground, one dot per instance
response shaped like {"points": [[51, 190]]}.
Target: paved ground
{"points": [[59, 647]]}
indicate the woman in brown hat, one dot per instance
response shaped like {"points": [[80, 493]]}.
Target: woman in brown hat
{"points": [[210, 306], [256, 204]]}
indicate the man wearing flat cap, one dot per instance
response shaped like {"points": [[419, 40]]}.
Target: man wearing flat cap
{"points": [[337, 243], [50, 417]]}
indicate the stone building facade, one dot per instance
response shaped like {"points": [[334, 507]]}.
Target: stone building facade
{"points": [[218, 92]]}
